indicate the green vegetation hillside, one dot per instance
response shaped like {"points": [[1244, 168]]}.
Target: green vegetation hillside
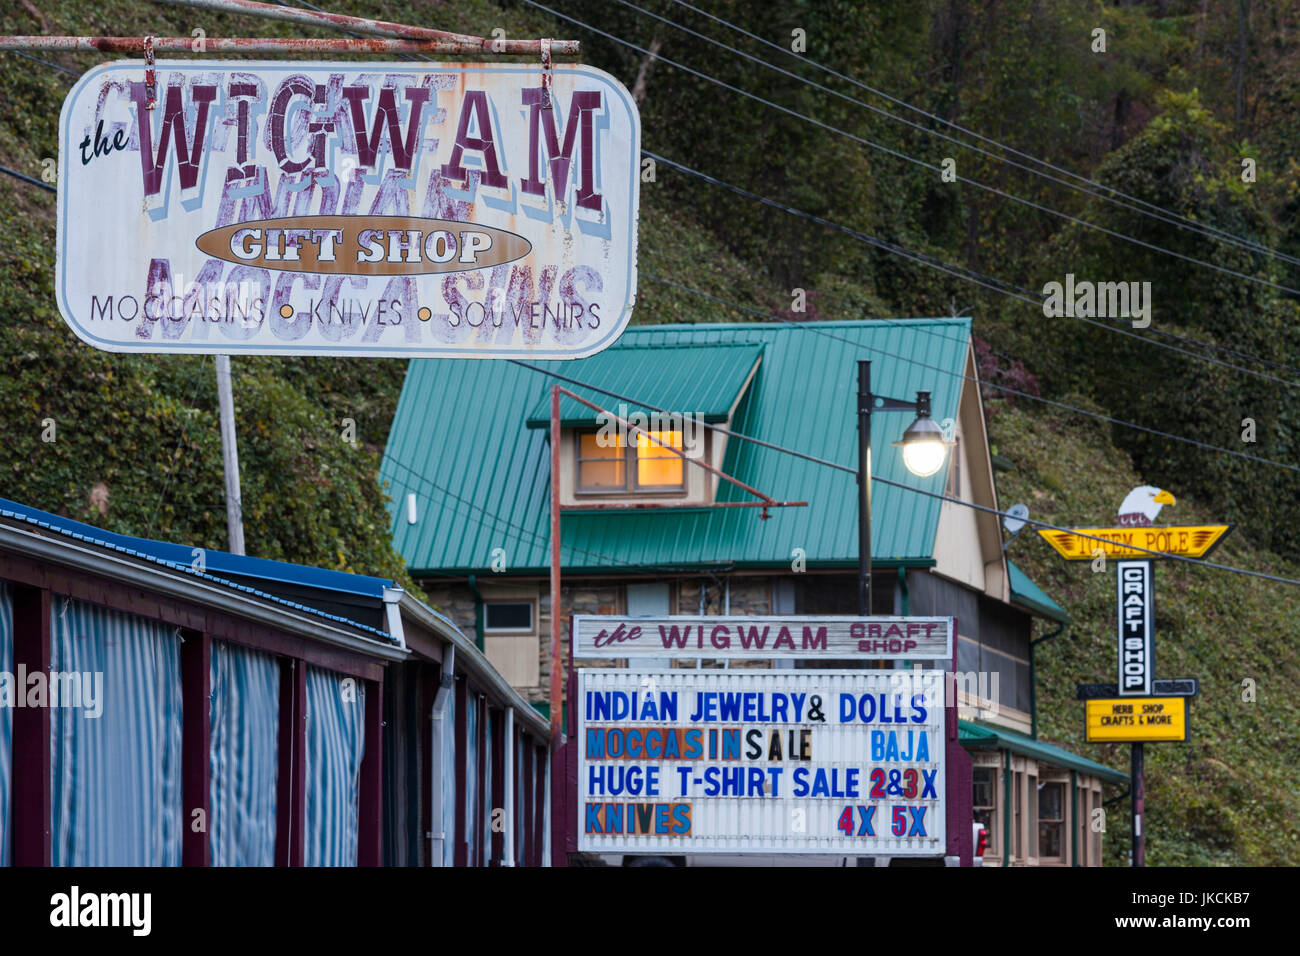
{"points": [[1183, 94]]}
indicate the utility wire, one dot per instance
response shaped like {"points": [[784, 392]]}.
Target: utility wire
{"points": [[929, 260], [1090, 185], [896, 484], [886, 246], [961, 272], [52, 66], [27, 179], [538, 538], [1196, 228], [898, 154], [1003, 388]]}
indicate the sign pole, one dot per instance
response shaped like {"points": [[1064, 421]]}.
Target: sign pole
{"points": [[559, 767], [1139, 807], [864, 488], [230, 457]]}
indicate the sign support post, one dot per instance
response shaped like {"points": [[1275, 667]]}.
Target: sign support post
{"points": [[864, 488], [559, 766], [1138, 795], [230, 457], [1138, 707]]}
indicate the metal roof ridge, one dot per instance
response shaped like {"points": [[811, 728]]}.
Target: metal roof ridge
{"points": [[776, 323], [258, 567], [189, 569]]}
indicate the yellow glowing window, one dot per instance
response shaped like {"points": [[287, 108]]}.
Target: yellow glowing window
{"points": [[656, 466], [609, 464], [602, 463]]}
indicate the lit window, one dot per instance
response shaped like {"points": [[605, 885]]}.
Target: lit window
{"points": [[601, 467], [656, 466], [641, 465]]}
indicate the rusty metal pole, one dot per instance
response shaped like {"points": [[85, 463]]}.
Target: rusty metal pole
{"points": [[384, 28], [212, 45], [559, 773]]}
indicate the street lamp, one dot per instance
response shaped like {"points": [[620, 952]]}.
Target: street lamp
{"points": [[924, 451]]}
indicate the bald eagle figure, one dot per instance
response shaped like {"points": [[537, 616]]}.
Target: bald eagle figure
{"points": [[1142, 505]]}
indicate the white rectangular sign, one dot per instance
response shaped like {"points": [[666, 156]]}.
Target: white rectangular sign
{"points": [[400, 209], [1137, 628], [763, 637], [690, 761]]}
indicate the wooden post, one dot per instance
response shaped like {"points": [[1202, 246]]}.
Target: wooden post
{"points": [[31, 744], [291, 796], [370, 809], [196, 746]]}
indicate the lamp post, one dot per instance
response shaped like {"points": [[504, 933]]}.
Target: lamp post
{"points": [[924, 451]]}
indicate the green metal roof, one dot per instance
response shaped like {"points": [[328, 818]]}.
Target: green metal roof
{"points": [[461, 444], [1028, 594], [688, 379], [983, 737]]}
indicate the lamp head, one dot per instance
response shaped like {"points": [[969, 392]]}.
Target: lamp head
{"points": [[923, 444]]}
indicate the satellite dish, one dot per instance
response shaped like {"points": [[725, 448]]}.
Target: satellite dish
{"points": [[1015, 518]]}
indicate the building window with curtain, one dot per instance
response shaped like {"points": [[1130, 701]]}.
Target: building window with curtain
{"points": [[244, 750], [336, 738], [116, 777]]}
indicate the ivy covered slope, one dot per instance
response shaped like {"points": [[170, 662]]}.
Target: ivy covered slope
{"points": [[1184, 94], [1230, 794], [135, 439]]}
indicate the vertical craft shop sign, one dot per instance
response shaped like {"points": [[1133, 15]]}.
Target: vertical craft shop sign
{"points": [[404, 210]]}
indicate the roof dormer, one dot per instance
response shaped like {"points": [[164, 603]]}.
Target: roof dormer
{"points": [[627, 457]]}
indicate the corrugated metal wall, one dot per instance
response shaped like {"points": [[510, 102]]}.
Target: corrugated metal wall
{"points": [[471, 779], [449, 784], [116, 778], [244, 747], [336, 740]]}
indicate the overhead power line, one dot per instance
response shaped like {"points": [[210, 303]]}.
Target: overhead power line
{"points": [[994, 385], [631, 400], [961, 272], [1089, 186], [905, 157], [983, 278], [27, 179]]}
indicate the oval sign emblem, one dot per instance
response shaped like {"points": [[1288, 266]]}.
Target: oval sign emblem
{"points": [[364, 245]]}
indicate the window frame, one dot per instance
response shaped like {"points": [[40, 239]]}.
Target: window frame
{"points": [[953, 485], [991, 848], [521, 631], [1061, 822], [631, 487]]}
